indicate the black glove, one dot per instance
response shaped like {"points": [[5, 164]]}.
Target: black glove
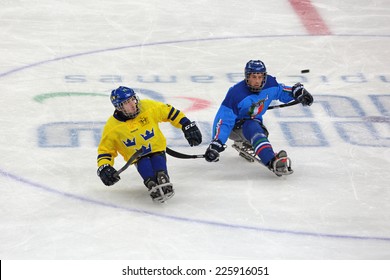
{"points": [[192, 134], [302, 95], [212, 152], [106, 173]]}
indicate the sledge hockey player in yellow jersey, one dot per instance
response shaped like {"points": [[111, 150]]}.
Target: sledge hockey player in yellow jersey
{"points": [[134, 126]]}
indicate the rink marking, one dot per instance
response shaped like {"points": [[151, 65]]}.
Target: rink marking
{"points": [[184, 219], [42, 97], [39, 63], [310, 17], [176, 218]]}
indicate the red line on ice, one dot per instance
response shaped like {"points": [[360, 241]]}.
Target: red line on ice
{"points": [[310, 18]]}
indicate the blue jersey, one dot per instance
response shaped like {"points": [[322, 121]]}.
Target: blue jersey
{"points": [[242, 104]]}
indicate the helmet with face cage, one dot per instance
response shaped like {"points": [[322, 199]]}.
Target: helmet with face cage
{"points": [[121, 95], [255, 67]]}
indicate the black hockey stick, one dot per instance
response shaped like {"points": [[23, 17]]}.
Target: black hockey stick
{"points": [[180, 155], [176, 154], [295, 102], [133, 158]]}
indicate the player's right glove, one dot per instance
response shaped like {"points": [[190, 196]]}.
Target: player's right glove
{"points": [[302, 95], [106, 173], [212, 152], [192, 134]]}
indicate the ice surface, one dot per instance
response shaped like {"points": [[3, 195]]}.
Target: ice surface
{"points": [[59, 63]]}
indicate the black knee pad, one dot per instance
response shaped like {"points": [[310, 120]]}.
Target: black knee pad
{"points": [[265, 129]]}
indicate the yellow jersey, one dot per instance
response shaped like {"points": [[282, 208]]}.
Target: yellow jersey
{"points": [[127, 136]]}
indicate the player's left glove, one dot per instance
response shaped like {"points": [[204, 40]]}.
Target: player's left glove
{"points": [[302, 95], [192, 134], [212, 152], [107, 173]]}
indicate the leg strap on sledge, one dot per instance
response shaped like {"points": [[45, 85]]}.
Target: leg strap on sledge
{"points": [[281, 164], [162, 190]]}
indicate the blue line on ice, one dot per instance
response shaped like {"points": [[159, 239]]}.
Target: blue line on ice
{"points": [[143, 45], [184, 219], [177, 218]]}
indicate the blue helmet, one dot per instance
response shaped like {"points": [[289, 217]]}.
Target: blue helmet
{"points": [[255, 66], [121, 95]]}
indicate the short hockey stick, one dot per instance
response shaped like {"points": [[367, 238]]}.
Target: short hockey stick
{"points": [[176, 154], [180, 155], [304, 71], [133, 158], [295, 102]]}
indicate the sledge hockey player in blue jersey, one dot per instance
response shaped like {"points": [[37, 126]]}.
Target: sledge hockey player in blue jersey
{"points": [[134, 127], [240, 118]]}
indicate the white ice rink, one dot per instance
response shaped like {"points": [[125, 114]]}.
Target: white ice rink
{"points": [[59, 62]]}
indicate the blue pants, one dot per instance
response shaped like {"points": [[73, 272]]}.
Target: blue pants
{"points": [[149, 165], [255, 132]]}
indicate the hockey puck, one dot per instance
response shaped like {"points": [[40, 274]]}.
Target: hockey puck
{"points": [[305, 71]]}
